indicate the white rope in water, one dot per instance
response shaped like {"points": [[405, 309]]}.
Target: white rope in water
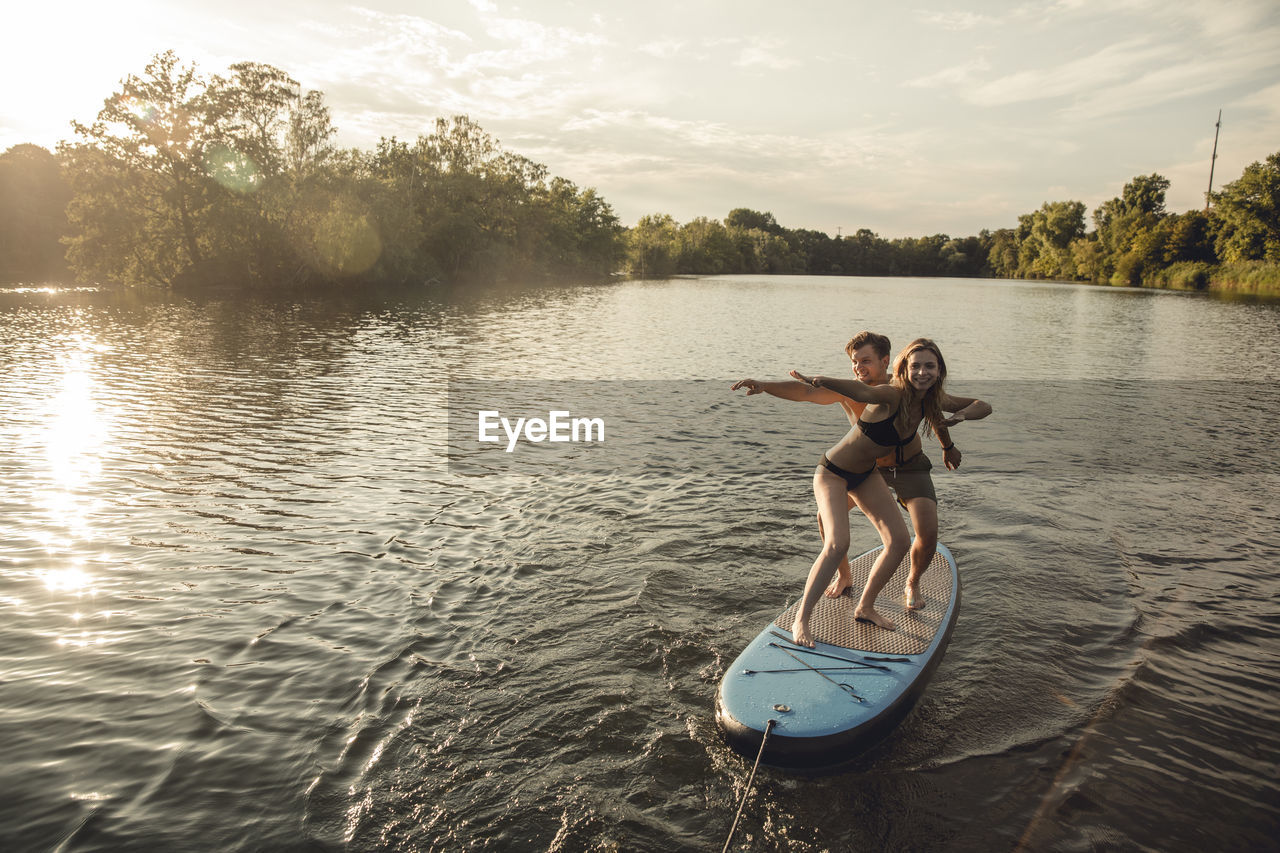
{"points": [[742, 802]]}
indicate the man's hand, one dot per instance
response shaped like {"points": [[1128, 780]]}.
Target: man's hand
{"points": [[752, 386]]}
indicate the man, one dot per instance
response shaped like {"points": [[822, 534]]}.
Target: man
{"points": [[906, 470]]}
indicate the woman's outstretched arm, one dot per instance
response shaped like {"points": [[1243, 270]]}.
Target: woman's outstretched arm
{"points": [[964, 408], [851, 388], [798, 392]]}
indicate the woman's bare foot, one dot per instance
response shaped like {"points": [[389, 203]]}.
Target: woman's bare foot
{"points": [[843, 580], [869, 614], [800, 632], [914, 600]]}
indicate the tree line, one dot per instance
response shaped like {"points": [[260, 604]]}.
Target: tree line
{"points": [[1135, 241], [187, 180], [184, 179]]}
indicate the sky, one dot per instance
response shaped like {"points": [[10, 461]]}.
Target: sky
{"points": [[835, 115]]}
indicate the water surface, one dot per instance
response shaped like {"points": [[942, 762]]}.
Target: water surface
{"points": [[248, 601]]}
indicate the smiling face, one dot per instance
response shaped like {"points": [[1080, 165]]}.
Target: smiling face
{"points": [[923, 369], [869, 366], [920, 366]]}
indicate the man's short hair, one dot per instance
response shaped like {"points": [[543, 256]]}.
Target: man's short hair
{"points": [[860, 340]]}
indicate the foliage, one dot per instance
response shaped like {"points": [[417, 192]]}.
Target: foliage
{"points": [[1253, 277], [749, 241], [1135, 242], [33, 201], [186, 180], [652, 246], [1183, 275], [1249, 210], [1045, 251]]}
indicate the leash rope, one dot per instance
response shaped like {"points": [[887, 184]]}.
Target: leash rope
{"points": [[742, 802]]}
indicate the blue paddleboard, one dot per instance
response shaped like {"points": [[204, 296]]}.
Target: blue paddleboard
{"points": [[833, 701]]}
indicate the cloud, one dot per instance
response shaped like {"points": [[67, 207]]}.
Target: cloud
{"points": [[703, 168], [766, 53], [957, 21], [499, 69], [663, 48], [955, 77], [1233, 62], [1265, 101], [1106, 67], [528, 43]]}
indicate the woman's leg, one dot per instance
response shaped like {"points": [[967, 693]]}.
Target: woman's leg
{"points": [[844, 578], [830, 491], [882, 510]]}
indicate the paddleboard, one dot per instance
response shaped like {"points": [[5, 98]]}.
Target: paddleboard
{"points": [[833, 701]]}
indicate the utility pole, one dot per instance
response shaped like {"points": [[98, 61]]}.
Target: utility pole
{"points": [[1209, 195]]}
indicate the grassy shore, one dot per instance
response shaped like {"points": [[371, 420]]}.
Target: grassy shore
{"points": [[1257, 278]]}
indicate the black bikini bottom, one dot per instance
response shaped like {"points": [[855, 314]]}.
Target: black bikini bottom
{"points": [[852, 478]]}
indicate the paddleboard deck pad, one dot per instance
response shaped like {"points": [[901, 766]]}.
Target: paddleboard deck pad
{"points": [[833, 701]]}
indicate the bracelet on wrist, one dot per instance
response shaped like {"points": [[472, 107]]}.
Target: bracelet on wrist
{"points": [[947, 447]]}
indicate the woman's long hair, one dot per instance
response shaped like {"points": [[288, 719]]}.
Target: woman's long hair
{"points": [[932, 398]]}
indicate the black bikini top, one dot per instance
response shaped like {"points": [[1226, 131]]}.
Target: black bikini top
{"points": [[884, 433]]}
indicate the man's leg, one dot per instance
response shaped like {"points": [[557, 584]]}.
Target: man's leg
{"points": [[924, 519]]}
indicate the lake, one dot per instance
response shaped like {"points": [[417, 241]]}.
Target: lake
{"points": [[262, 588]]}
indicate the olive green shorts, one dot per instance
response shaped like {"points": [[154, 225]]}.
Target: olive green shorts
{"points": [[911, 479]]}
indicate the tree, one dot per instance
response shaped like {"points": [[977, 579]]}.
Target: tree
{"points": [[747, 220], [141, 190], [470, 195], [256, 103], [1249, 210], [1139, 207], [570, 231], [651, 245], [33, 201], [482, 211], [1090, 260], [704, 246], [183, 179], [1190, 239], [865, 253], [817, 251], [1045, 251]]}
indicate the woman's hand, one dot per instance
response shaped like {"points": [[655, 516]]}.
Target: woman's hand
{"points": [[951, 457], [752, 386], [812, 381]]}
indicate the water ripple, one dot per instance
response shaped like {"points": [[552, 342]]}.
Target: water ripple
{"points": [[248, 599]]}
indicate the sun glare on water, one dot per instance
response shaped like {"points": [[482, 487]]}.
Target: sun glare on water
{"points": [[74, 434], [67, 441]]}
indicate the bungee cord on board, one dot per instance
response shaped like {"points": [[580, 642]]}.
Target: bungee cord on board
{"points": [[747, 790]]}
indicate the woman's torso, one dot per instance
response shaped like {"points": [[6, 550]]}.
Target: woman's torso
{"points": [[857, 450]]}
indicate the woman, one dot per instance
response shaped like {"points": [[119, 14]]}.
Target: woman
{"points": [[893, 413]]}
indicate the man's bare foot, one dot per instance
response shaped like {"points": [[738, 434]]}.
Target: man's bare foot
{"points": [[843, 580], [800, 631], [912, 596], [869, 614]]}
